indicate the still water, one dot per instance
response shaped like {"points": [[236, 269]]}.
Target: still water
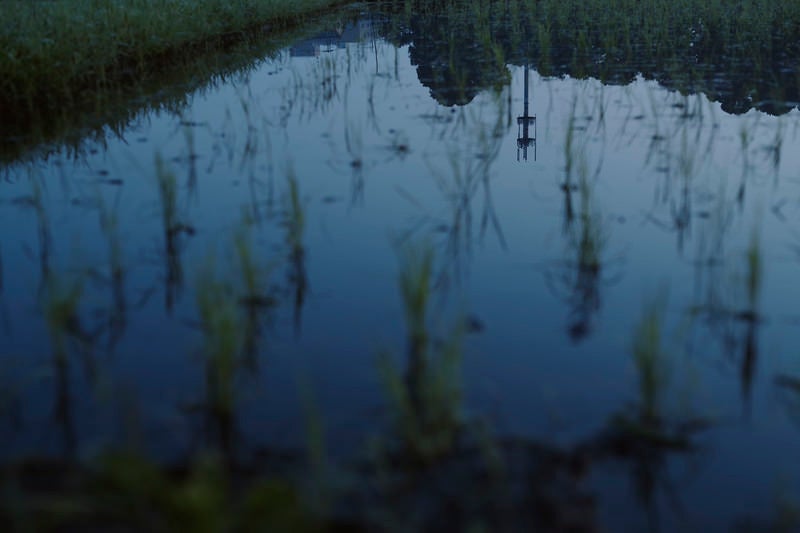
{"points": [[619, 257]]}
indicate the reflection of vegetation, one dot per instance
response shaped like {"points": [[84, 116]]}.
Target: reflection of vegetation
{"points": [[787, 509], [579, 276], [466, 183], [223, 347], [172, 227], [109, 224], [427, 402], [295, 222], [741, 55], [588, 244], [36, 202], [256, 294], [127, 492], [732, 313], [62, 300], [443, 469], [648, 434], [455, 50], [651, 364], [354, 143], [447, 467]]}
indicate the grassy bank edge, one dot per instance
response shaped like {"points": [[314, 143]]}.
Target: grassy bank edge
{"points": [[68, 114], [62, 52]]}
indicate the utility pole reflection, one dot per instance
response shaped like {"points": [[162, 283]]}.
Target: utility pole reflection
{"points": [[524, 123]]}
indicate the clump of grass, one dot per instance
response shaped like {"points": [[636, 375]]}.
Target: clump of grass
{"points": [[223, 331], [580, 274], [650, 360], [172, 227], [754, 272], [61, 303], [36, 202], [109, 224], [569, 145], [426, 402], [655, 423], [295, 222], [295, 216], [128, 492], [168, 195], [254, 277], [415, 283], [592, 238], [62, 299], [254, 293]]}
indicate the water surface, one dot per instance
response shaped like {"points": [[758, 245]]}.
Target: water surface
{"points": [[632, 201]]}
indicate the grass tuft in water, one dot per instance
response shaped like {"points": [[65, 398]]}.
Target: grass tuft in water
{"points": [[426, 402], [172, 227], [218, 312], [651, 361], [754, 272], [62, 299]]}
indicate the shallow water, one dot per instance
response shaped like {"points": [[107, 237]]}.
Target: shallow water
{"points": [[626, 197]]}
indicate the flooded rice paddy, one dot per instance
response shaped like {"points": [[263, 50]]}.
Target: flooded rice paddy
{"points": [[470, 288]]}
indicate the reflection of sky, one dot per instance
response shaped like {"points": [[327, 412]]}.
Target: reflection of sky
{"points": [[318, 115]]}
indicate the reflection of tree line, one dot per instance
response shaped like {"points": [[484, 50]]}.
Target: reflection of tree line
{"points": [[740, 60]]}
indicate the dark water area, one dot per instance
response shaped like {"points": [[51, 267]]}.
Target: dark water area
{"points": [[460, 271]]}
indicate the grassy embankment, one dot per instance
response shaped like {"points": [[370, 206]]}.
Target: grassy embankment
{"points": [[70, 65]]}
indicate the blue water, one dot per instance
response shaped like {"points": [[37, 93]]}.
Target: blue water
{"points": [[379, 162]]}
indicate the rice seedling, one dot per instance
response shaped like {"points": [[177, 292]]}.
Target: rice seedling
{"points": [[60, 305], [649, 434], [321, 480], [295, 223], [129, 491], [354, 144], [254, 276], [191, 156], [754, 271], [467, 182], [651, 363], [745, 142], [168, 195], [36, 202], [255, 294], [224, 341], [588, 245], [681, 209], [731, 309], [109, 224], [577, 278], [426, 401], [787, 511], [424, 393], [569, 144], [172, 228], [775, 148], [295, 217]]}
